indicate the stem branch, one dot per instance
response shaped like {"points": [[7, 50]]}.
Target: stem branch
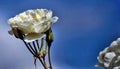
{"points": [[44, 65], [37, 44], [31, 51], [34, 47]]}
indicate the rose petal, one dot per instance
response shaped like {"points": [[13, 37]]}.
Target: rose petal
{"points": [[54, 19], [49, 14], [114, 43], [32, 37], [109, 56], [118, 40]]}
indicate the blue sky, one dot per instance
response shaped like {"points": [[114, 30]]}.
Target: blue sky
{"points": [[84, 28]]}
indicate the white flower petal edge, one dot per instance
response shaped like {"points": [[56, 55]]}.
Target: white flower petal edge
{"points": [[101, 55], [33, 21]]}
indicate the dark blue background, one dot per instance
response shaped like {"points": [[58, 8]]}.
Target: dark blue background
{"points": [[84, 28]]}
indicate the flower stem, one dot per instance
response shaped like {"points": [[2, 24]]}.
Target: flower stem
{"points": [[42, 44], [37, 44], [34, 47], [49, 58], [29, 48], [43, 64]]}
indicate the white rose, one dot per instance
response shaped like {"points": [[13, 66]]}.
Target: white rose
{"points": [[105, 57], [33, 23]]}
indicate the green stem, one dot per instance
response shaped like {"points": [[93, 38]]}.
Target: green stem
{"points": [[49, 58], [42, 44], [37, 44]]}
